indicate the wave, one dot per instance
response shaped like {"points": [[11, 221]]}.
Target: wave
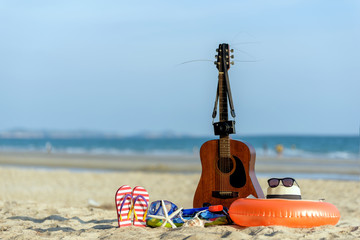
{"points": [[99, 151], [299, 153], [260, 152]]}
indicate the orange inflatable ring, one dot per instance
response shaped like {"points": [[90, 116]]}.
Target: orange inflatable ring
{"points": [[290, 213]]}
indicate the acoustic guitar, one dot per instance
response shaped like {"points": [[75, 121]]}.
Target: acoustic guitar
{"points": [[227, 165]]}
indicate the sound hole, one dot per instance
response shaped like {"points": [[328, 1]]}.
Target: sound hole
{"points": [[225, 165]]}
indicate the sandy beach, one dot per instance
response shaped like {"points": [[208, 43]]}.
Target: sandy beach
{"points": [[61, 201]]}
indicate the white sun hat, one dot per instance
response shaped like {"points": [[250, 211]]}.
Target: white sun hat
{"points": [[283, 188]]}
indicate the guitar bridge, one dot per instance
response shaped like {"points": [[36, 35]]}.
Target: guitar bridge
{"points": [[225, 194]]}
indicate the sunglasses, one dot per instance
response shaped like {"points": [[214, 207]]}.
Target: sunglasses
{"points": [[286, 182]]}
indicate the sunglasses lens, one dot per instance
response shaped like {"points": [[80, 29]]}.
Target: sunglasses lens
{"points": [[288, 182], [273, 182]]}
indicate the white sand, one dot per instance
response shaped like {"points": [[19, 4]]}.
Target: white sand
{"points": [[54, 204]]}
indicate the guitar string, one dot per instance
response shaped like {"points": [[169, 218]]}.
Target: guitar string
{"points": [[224, 143], [223, 116], [223, 139], [220, 118]]}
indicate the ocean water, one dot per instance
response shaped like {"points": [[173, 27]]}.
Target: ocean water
{"points": [[339, 147]]}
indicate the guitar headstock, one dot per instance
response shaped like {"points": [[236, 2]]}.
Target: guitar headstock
{"points": [[223, 57]]}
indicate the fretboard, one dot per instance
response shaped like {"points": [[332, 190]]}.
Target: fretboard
{"points": [[224, 143], [223, 103], [224, 147]]}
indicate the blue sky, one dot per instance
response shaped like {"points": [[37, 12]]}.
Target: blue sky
{"points": [[113, 66]]}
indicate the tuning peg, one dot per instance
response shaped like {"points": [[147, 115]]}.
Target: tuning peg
{"points": [[232, 63], [232, 50], [217, 50], [216, 56], [232, 56], [216, 63]]}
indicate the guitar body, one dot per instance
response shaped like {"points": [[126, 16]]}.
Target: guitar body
{"points": [[220, 185]]}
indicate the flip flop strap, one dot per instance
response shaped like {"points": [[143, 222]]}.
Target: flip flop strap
{"points": [[140, 196], [122, 204]]}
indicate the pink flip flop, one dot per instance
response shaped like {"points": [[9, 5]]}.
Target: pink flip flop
{"points": [[140, 206], [123, 200]]}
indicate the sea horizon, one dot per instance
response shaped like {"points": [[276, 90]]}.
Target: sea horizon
{"points": [[169, 143]]}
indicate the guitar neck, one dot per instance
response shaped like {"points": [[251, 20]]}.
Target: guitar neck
{"points": [[224, 143], [224, 147], [223, 103]]}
